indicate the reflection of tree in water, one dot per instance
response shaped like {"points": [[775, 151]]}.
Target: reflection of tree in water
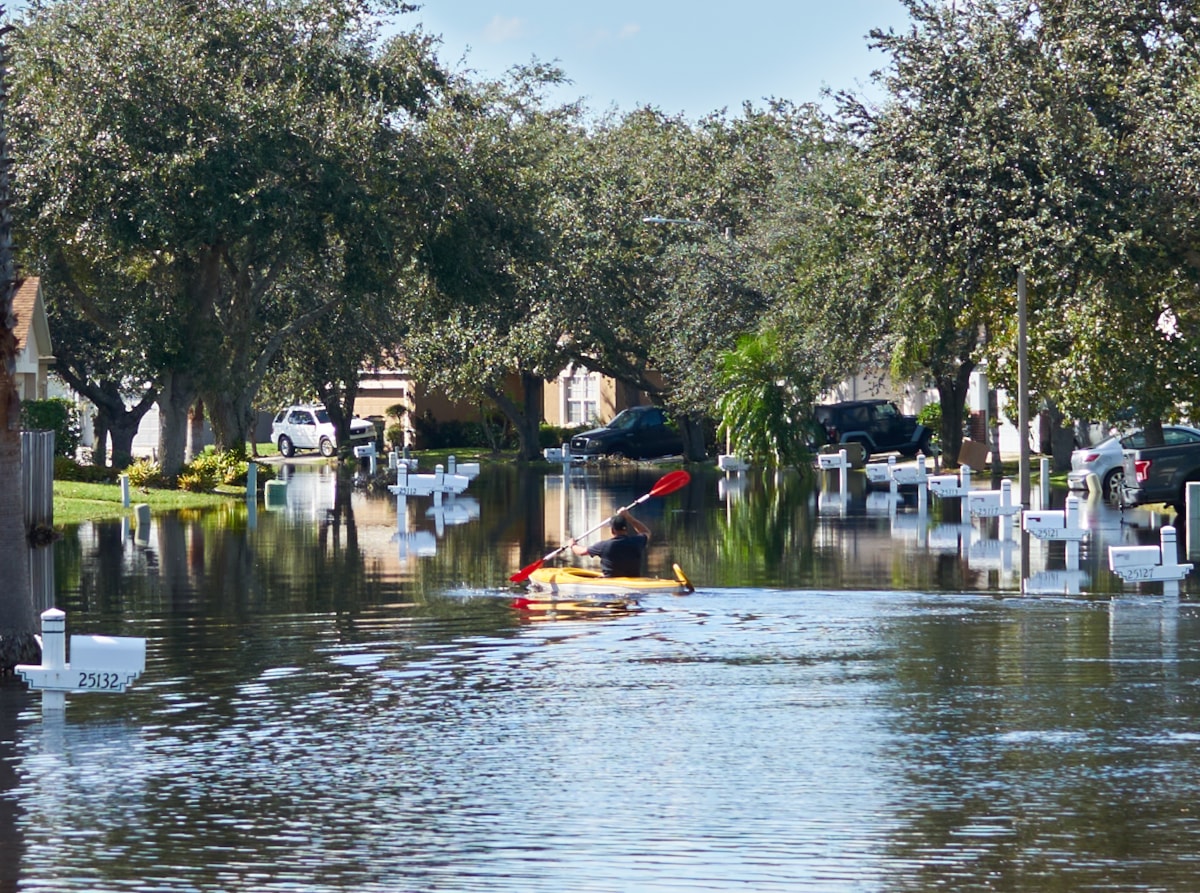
{"points": [[341, 515], [13, 699], [761, 533]]}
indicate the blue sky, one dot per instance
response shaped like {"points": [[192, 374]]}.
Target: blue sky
{"points": [[684, 57]]}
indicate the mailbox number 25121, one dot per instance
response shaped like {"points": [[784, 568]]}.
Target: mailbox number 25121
{"points": [[99, 680]]}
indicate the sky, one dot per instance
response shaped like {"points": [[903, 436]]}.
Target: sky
{"points": [[689, 57]]}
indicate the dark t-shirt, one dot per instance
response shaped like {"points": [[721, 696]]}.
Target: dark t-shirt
{"points": [[620, 556]]}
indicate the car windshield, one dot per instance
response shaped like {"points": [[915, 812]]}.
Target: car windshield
{"points": [[624, 420]]}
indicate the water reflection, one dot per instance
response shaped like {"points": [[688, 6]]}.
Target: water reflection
{"points": [[860, 695]]}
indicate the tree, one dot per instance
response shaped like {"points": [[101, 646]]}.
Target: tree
{"points": [[488, 326], [206, 152], [17, 617], [655, 306]]}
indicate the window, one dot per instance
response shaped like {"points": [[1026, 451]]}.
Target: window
{"points": [[581, 393]]}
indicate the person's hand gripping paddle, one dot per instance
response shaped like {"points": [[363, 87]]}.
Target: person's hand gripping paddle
{"points": [[668, 483]]}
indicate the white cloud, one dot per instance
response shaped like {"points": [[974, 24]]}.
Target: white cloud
{"points": [[628, 31], [502, 30]]}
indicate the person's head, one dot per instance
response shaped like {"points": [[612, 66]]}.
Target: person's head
{"points": [[619, 526]]}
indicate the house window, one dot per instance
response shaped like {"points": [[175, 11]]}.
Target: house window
{"points": [[582, 390]]}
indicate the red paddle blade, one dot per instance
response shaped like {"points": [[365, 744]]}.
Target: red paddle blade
{"points": [[523, 574], [670, 482]]}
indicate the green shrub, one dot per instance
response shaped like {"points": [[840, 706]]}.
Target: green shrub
{"points": [[144, 473], [230, 468], [553, 435], [931, 417], [58, 415], [66, 469]]}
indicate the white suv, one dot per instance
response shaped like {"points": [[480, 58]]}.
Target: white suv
{"points": [[310, 428]]}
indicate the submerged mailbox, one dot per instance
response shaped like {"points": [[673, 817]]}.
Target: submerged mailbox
{"points": [[98, 663]]}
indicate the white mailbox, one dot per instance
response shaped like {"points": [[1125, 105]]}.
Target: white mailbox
{"points": [[729, 462], [365, 451], [468, 470], [1050, 520], [98, 663], [1120, 557], [992, 503], [911, 474], [1058, 525], [1150, 564], [833, 461], [879, 472], [945, 486]]}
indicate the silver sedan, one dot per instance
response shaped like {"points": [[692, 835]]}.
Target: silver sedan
{"points": [[1104, 460]]}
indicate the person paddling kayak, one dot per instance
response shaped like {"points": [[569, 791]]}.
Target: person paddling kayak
{"points": [[621, 555]]}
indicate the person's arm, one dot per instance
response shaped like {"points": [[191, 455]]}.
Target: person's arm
{"points": [[638, 526], [579, 550]]}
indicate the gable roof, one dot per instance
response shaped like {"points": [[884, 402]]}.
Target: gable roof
{"points": [[31, 317]]}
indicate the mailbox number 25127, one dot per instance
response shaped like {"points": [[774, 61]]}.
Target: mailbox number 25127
{"points": [[99, 680]]}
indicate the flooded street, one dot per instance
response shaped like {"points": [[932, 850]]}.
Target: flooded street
{"points": [[861, 695]]}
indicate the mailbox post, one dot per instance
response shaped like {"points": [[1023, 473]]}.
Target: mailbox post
{"points": [[98, 663]]}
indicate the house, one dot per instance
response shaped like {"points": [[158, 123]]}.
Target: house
{"points": [[34, 352], [576, 396]]}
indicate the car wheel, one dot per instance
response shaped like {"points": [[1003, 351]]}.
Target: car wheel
{"points": [[327, 448], [1110, 489], [286, 448], [866, 448]]}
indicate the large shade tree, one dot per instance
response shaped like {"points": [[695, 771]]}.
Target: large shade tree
{"points": [[212, 150], [487, 328]]}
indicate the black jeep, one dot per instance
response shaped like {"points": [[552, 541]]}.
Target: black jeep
{"points": [[878, 425]]}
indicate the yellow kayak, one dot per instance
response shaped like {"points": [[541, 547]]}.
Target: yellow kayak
{"points": [[578, 581]]}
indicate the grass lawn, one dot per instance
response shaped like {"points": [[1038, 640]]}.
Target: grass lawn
{"points": [[75, 502]]}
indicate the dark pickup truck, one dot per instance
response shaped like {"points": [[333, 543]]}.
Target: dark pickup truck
{"points": [[1160, 475]]}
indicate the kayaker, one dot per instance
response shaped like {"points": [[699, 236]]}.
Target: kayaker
{"points": [[621, 555]]}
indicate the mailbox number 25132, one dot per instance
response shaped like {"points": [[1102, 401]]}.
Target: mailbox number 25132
{"points": [[99, 680]]}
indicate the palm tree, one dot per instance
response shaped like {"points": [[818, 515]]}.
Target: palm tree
{"points": [[17, 617], [765, 402]]}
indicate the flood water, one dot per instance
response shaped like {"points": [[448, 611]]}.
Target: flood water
{"points": [[860, 695]]}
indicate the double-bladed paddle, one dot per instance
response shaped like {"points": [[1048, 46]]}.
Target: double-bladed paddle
{"points": [[668, 483]]}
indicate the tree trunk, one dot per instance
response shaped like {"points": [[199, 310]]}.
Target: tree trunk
{"points": [[691, 428], [177, 396], [952, 392], [1062, 440], [227, 415], [526, 418], [534, 387], [99, 440], [18, 620], [195, 437]]}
